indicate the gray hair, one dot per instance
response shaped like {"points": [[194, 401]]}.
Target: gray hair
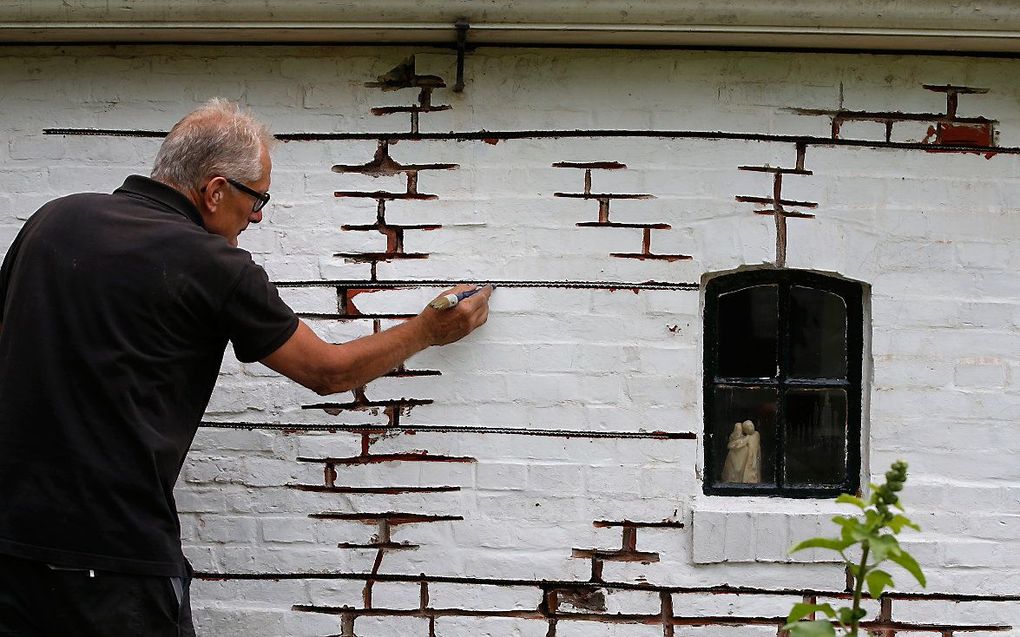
{"points": [[217, 138]]}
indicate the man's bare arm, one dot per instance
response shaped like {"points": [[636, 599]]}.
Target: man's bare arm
{"points": [[328, 368]]}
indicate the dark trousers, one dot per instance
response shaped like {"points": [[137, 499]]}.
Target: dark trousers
{"points": [[37, 600]]}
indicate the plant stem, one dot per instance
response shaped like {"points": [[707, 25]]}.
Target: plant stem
{"points": [[858, 588]]}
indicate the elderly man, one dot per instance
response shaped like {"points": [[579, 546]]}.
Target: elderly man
{"points": [[116, 310]]}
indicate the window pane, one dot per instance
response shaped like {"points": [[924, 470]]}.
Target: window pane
{"points": [[747, 327], [817, 334], [743, 435], [815, 436]]}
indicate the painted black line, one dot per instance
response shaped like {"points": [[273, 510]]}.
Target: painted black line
{"points": [[321, 488], [362, 284], [496, 136], [585, 585], [511, 431], [630, 618]]}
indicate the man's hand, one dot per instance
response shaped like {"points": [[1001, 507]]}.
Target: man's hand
{"points": [[328, 369], [446, 326]]}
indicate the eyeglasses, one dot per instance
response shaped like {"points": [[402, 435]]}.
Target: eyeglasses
{"points": [[261, 198]]}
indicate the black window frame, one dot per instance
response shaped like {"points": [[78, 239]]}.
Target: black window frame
{"points": [[852, 293]]}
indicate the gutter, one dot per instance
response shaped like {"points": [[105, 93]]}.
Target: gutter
{"points": [[982, 26]]}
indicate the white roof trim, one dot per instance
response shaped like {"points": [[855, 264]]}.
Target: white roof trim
{"points": [[980, 26]]}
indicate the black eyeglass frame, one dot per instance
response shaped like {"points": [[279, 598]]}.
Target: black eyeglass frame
{"points": [[261, 198]]}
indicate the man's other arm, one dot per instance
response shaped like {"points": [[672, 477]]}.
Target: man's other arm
{"points": [[328, 368]]}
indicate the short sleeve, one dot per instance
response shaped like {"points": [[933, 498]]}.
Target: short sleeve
{"points": [[255, 318], [8, 268]]}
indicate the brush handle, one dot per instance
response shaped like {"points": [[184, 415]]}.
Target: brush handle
{"points": [[447, 301]]}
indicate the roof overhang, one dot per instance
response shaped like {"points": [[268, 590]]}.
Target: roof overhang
{"points": [[978, 26]]}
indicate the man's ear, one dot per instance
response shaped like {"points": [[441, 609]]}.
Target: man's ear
{"points": [[213, 192]]}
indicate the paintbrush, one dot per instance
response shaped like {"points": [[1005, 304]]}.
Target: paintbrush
{"points": [[447, 301]]}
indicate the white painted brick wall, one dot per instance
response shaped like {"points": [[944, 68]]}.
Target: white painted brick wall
{"points": [[934, 234]]}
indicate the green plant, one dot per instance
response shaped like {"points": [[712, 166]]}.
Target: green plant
{"points": [[874, 530]]}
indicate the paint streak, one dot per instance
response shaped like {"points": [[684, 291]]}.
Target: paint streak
{"points": [[951, 133], [347, 306], [616, 555], [403, 75], [591, 599], [414, 456], [330, 488], [597, 165], [391, 518], [640, 256]]}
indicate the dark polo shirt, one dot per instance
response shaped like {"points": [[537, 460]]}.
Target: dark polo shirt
{"points": [[116, 310]]}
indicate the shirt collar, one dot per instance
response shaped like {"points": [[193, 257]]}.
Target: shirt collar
{"points": [[162, 194]]}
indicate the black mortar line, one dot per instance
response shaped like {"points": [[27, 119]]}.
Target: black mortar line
{"points": [[627, 618], [511, 431], [489, 136], [408, 283], [723, 589], [318, 488]]}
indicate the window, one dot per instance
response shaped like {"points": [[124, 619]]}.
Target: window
{"points": [[782, 384]]}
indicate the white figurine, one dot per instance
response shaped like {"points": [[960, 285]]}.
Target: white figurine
{"points": [[743, 460], [733, 467], [752, 467]]}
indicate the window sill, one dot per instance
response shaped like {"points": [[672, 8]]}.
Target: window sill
{"points": [[761, 529]]}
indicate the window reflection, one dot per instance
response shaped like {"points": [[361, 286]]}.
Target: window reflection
{"points": [[748, 328], [817, 334], [815, 436]]}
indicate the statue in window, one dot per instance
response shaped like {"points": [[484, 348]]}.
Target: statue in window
{"points": [[743, 460], [736, 457], [752, 467]]}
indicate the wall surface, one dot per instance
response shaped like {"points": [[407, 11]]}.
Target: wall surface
{"points": [[544, 476]]}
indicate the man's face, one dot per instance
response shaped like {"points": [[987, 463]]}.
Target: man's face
{"points": [[231, 208]]}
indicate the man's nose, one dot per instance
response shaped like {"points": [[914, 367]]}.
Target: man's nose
{"points": [[255, 217]]}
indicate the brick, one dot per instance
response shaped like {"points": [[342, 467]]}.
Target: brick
{"points": [[227, 529], [730, 631], [567, 628], [501, 476], [733, 605], [480, 597], [198, 501], [396, 595], [468, 626], [388, 626], [556, 478], [287, 530], [981, 374]]}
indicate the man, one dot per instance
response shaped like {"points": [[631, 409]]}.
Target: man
{"points": [[114, 314]]}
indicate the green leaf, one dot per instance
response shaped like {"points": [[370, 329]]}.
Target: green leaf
{"points": [[853, 530], [884, 547], [802, 609], [818, 628], [900, 521], [846, 498], [861, 533], [822, 543], [877, 581], [845, 520], [907, 561], [847, 616]]}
